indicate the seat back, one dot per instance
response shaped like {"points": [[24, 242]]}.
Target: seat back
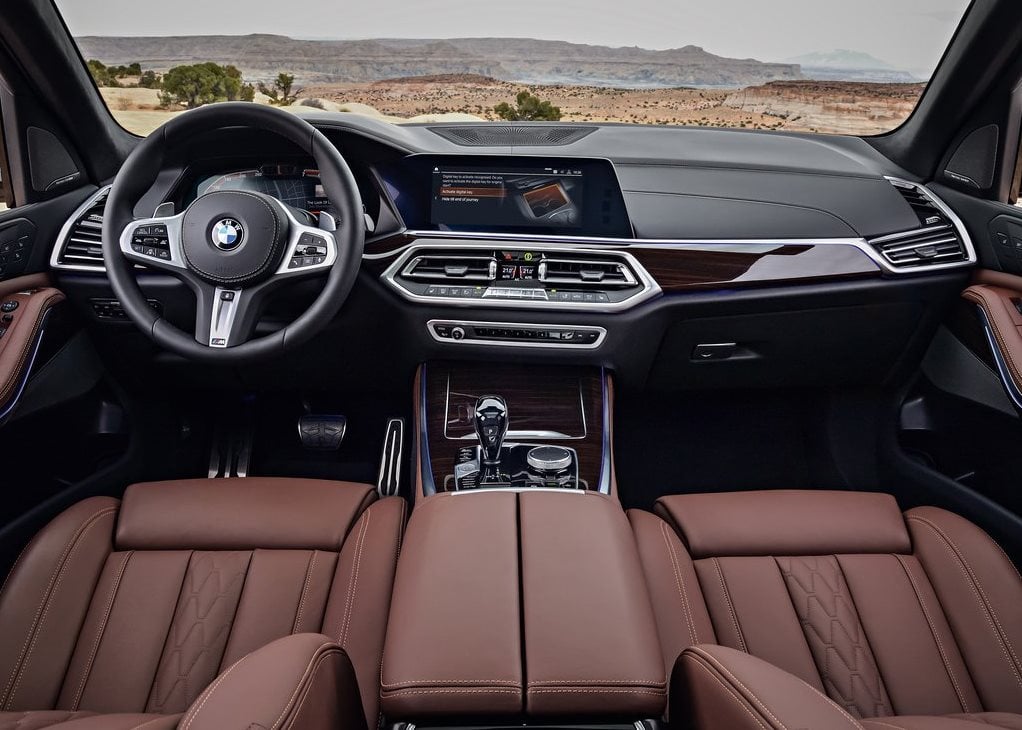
{"points": [[883, 612], [137, 606]]}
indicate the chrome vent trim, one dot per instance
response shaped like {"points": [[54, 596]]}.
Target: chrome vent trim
{"points": [[643, 285], [79, 245], [439, 267], [602, 272], [940, 242]]}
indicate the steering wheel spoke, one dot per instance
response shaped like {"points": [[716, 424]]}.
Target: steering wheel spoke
{"points": [[225, 317], [310, 250], [155, 243]]}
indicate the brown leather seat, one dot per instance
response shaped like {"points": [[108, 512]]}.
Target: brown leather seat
{"points": [[810, 609], [202, 604]]}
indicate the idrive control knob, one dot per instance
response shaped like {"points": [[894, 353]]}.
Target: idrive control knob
{"points": [[549, 459]]}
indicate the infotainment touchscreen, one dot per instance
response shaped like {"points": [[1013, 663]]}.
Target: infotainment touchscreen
{"points": [[540, 197], [507, 194]]}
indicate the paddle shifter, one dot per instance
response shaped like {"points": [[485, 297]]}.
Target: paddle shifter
{"points": [[491, 427]]}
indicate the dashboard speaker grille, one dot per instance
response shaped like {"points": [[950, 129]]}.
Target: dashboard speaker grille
{"points": [[511, 135]]}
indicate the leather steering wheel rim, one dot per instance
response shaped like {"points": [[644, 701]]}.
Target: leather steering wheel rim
{"points": [[140, 171]]}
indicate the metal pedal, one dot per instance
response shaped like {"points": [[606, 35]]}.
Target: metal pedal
{"points": [[389, 481], [322, 432]]}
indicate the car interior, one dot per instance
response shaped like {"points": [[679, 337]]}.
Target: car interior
{"points": [[544, 425]]}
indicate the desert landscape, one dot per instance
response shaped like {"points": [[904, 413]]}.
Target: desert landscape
{"points": [[409, 81]]}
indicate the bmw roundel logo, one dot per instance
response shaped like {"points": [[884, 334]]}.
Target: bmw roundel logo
{"points": [[227, 234]]}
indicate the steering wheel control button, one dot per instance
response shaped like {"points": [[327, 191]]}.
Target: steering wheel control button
{"points": [[151, 241]]}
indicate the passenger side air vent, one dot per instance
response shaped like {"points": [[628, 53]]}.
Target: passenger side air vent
{"points": [[451, 268], [505, 135], [81, 242], [585, 272], [938, 241]]}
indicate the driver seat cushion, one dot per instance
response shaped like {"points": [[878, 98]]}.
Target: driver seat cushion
{"points": [[136, 606], [889, 615]]}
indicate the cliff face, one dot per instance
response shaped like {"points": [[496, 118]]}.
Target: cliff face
{"points": [[261, 57]]}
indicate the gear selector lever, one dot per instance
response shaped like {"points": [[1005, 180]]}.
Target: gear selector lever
{"points": [[491, 427]]}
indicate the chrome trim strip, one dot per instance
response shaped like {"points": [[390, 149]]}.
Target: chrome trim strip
{"points": [[65, 233], [1010, 387], [425, 464], [606, 462], [431, 324], [649, 289], [26, 374]]}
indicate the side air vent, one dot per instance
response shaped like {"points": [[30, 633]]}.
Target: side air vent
{"points": [[80, 245], [938, 241], [601, 274], [451, 268], [507, 135]]}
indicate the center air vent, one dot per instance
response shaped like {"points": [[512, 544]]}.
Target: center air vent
{"points": [[937, 241], [509, 135], [602, 274], [81, 242], [451, 268]]}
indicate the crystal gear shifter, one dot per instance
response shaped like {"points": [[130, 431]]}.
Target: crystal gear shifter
{"points": [[491, 427]]}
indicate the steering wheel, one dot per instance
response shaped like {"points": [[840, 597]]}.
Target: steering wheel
{"points": [[232, 248]]}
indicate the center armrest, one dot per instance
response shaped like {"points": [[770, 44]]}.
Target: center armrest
{"points": [[508, 603]]}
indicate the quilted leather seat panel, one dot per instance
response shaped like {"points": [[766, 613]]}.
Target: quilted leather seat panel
{"points": [[106, 617], [900, 619]]}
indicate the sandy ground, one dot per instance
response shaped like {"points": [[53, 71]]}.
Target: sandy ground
{"points": [[850, 108]]}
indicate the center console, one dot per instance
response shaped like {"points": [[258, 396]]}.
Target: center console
{"points": [[521, 604], [513, 426]]}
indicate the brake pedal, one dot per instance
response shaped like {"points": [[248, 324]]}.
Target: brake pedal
{"points": [[322, 432]]}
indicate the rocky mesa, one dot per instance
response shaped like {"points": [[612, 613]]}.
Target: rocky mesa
{"points": [[521, 60]]}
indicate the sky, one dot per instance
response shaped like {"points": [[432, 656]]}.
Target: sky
{"points": [[908, 34]]}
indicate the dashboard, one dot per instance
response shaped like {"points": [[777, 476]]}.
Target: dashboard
{"points": [[622, 245]]}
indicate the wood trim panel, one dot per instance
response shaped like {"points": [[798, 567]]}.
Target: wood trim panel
{"points": [[682, 267], [565, 399]]}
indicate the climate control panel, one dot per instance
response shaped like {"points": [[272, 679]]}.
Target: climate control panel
{"points": [[584, 337]]}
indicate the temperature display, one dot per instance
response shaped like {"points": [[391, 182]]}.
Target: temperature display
{"points": [[517, 265]]}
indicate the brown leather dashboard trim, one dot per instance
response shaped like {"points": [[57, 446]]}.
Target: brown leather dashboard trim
{"points": [[35, 300], [996, 301]]}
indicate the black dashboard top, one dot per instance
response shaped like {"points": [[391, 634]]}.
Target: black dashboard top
{"points": [[671, 182]]}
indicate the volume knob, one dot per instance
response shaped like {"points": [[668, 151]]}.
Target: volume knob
{"points": [[458, 333]]}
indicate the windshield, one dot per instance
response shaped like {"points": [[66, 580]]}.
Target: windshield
{"points": [[796, 65]]}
